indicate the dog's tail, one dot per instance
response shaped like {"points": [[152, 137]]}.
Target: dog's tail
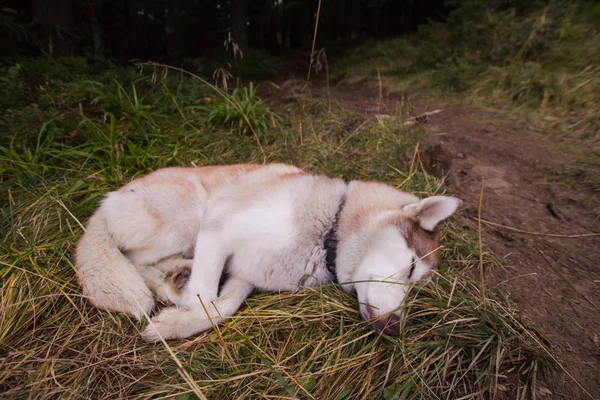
{"points": [[108, 278], [180, 323]]}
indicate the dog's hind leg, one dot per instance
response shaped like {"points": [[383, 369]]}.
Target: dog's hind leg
{"points": [[167, 278], [180, 323]]}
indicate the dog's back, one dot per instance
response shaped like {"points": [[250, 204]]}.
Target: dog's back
{"points": [[148, 220]]}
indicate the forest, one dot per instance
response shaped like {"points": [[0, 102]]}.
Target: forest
{"points": [[176, 30], [495, 102]]}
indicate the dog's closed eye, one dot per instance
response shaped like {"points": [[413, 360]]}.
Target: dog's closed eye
{"points": [[412, 268]]}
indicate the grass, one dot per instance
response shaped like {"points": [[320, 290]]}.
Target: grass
{"points": [[537, 62], [243, 111], [72, 141]]}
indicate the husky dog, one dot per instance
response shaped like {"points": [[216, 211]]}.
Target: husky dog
{"points": [[176, 232]]}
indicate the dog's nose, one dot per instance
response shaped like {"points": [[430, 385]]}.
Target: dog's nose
{"points": [[390, 325]]}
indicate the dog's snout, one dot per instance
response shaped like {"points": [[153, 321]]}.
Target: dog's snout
{"points": [[387, 324], [390, 324]]}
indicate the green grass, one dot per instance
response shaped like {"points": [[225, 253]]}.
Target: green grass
{"points": [[535, 62], [97, 131]]}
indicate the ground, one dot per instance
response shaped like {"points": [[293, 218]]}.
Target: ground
{"points": [[545, 229]]}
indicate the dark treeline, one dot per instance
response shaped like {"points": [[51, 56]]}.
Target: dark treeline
{"points": [[179, 29]]}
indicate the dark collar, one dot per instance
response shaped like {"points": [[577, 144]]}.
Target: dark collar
{"points": [[331, 240]]}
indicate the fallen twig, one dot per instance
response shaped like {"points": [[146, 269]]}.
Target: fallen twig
{"points": [[422, 118]]}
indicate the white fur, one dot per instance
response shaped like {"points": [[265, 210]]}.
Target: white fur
{"points": [[381, 278], [264, 226]]}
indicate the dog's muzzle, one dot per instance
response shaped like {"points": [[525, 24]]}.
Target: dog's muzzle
{"points": [[388, 324]]}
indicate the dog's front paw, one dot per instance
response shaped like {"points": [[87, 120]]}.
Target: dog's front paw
{"points": [[194, 298]]}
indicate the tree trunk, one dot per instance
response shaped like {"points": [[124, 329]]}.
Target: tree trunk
{"points": [[96, 31], [238, 23], [58, 28]]}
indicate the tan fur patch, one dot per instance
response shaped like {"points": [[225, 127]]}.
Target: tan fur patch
{"points": [[178, 278], [425, 244]]}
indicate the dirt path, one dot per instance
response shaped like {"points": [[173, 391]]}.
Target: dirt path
{"points": [[553, 281]]}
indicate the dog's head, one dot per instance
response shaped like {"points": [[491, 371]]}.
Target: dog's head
{"points": [[398, 248]]}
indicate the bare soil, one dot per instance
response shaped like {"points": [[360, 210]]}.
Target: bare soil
{"points": [[552, 281]]}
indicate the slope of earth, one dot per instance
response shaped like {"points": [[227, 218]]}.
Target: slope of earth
{"points": [[548, 233]]}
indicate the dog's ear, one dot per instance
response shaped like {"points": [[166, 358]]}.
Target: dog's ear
{"points": [[431, 211]]}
